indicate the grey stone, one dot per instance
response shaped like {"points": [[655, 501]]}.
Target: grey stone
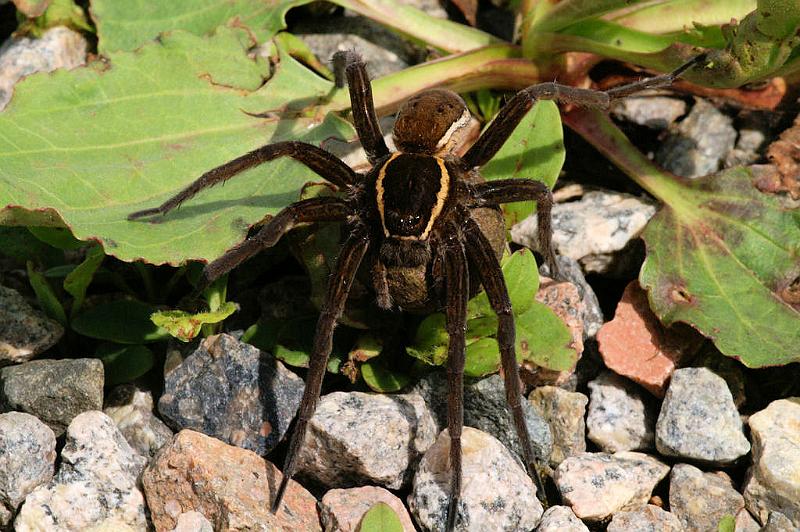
{"points": [[753, 132], [341, 510], [699, 143], [24, 331], [357, 438], [27, 459], [564, 412], [700, 500], [560, 519], [698, 419], [55, 391], [496, 494], [234, 392], [95, 486], [193, 522], [774, 481], [649, 109], [132, 411], [485, 408], [593, 230], [778, 522], [592, 314], [646, 519], [597, 485], [745, 522], [59, 47], [621, 416]]}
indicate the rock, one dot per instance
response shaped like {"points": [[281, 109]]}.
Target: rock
{"points": [[564, 412], [774, 481], [27, 460], [646, 519], [232, 391], [727, 368], [55, 391], [745, 522], [560, 519], [592, 230], [132, 411], [778, 522], [95, 486], [59, 47], [700, 500], [24, 331], [698, 419], [635, 344], [356, 438], [565, 300], [485, 408], [597, 485], [649, 109], [591, 313], [697, 146], [232, 487], [496, 494], [341, 510], [193, 522], [620, 417]]}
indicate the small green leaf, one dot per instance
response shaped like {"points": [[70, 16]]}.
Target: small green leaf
{"points": [[522, 281], [124, 363], [77, 281], [380, 518], [125, 321], [727, 524], [45, 295], [58, 237], [51, 13], [382, 379], [482, 358], [431, 340], [543, 339], [186, 326]]}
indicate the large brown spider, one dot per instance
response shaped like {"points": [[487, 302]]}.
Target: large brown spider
{"points": [[420, 213]]}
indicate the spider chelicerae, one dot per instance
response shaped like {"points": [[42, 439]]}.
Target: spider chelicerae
{"points": [[421, 209]]}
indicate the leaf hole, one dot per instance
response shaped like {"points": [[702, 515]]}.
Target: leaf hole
{"points": [[791, 294], [680, 295]]}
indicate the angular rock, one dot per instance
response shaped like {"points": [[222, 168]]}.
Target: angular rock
{"points": [[55, 391], [564, 412], [774, 483], [560, 519], [778, 522], [341, 510], [485, 408], [597, 485], [646, 519], [593, 230], [700, 500], [357, 438], [24, 331], [698, 419], [232, 391], [95, 486], [496, 494], [635, 344], [649, 109], [745, 522], [591, 313], [565, 300], [620, 417], [193, 522], [27, 459], [132, 411], [232, 487]]}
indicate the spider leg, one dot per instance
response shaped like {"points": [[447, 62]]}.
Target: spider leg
{"points": [[339, 284], [491, 276], [364, 118], [327, 165]]}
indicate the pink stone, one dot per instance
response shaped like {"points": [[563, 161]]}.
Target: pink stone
{"points": [[343, 509]]}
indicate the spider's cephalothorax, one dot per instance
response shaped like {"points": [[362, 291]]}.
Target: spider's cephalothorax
{"points": [[422, 221]]}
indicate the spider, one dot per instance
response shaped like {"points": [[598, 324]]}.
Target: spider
{"points": [[421, 209]]}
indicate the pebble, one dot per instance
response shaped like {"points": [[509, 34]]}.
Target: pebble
{"points": [[774, 480], [564, 299], [496, 494], [597, 485], [232, 391], [753, 132], [778, 522], [700, 500], [649, 109], [95, 486], [560, 519], [593, 230], [485, 408], [55, 391], [59, 47], [24, 331], [591, 313], [359, 438], [646, 519], [698, 419], [193, 522], [564, 412], [620, 417], [232, 487], [27, 459], [132, 411], [341, 510], [698, 145]]}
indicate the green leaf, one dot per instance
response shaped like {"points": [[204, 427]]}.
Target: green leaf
{"points": [[543, 339], [380, 518], [45, 296], [522, 281], [58, 237], [430, 341], [77, 281], [49, 14], [382, 379], [482, 357], [125, 321], [727, 524], [124, 363], [185, 326], [18, 243]]}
